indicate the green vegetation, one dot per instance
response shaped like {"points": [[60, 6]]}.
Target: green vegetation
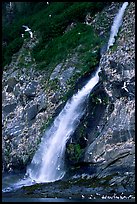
{"points": [[50, 22], [46, 124], [75, 152], [12, 48]]}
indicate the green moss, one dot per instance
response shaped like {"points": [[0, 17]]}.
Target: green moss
{"points": [[54, 84], [32, 188], [12, 48], [75, 152], [50, 30], [46, 125], [7, 151], [105, 100], [60, 47], [114, 47]]}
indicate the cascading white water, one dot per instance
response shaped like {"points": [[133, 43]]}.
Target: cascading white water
{"points": [[116, 24], [48, 163]]}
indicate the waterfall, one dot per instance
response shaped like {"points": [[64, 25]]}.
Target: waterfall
{"points": [[48, 162], [116, 24], [10, 5]]}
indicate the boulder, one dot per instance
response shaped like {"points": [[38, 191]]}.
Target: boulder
{"points": [[66, 75], [41, 101], [31, 112], [9, 108], [16, 90], [56, 71], [55, 98], [30, 90], [11, 82]]}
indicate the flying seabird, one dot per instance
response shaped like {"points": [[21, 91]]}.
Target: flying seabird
{"points": [[29, 30], [124, 87]]}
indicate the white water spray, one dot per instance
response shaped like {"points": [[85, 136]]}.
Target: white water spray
{"points": [[116, 24], [48, 162], [10, 5]]}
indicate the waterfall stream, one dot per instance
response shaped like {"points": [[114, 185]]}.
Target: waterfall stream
{"points": [[48, 162], [116, 24]]}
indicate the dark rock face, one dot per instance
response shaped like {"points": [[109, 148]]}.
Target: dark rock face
{"points": [[9, 108], [109, 130], [87, 130], [22, 99], [30, 90], [31, 112]]}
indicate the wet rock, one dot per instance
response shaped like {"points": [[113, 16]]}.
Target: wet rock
{"points": [[113, 64], [110, 146], [9, 108], [31, 112], [30, 90]]}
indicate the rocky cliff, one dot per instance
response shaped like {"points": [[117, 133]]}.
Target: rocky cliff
{"points": [[104, 141], [109, 128]]}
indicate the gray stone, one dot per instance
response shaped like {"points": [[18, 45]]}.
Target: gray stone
{"points": [[14, 128], [66, 75], [56, 71], [31, 112], [30, 90], [9, 89], [9, 108], [3, 95], [12, 82], [42, 102], [55, 98], [16, 90]]}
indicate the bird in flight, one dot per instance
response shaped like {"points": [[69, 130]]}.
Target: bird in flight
{"points": [[29, 30]]}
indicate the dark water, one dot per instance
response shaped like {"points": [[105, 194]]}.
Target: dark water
{"points": [[63, 200]]}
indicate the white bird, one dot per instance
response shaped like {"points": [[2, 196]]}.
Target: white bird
{"points": [[47, 2], [124, 87], [27, 28], [85, 139], [31, 34]]}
